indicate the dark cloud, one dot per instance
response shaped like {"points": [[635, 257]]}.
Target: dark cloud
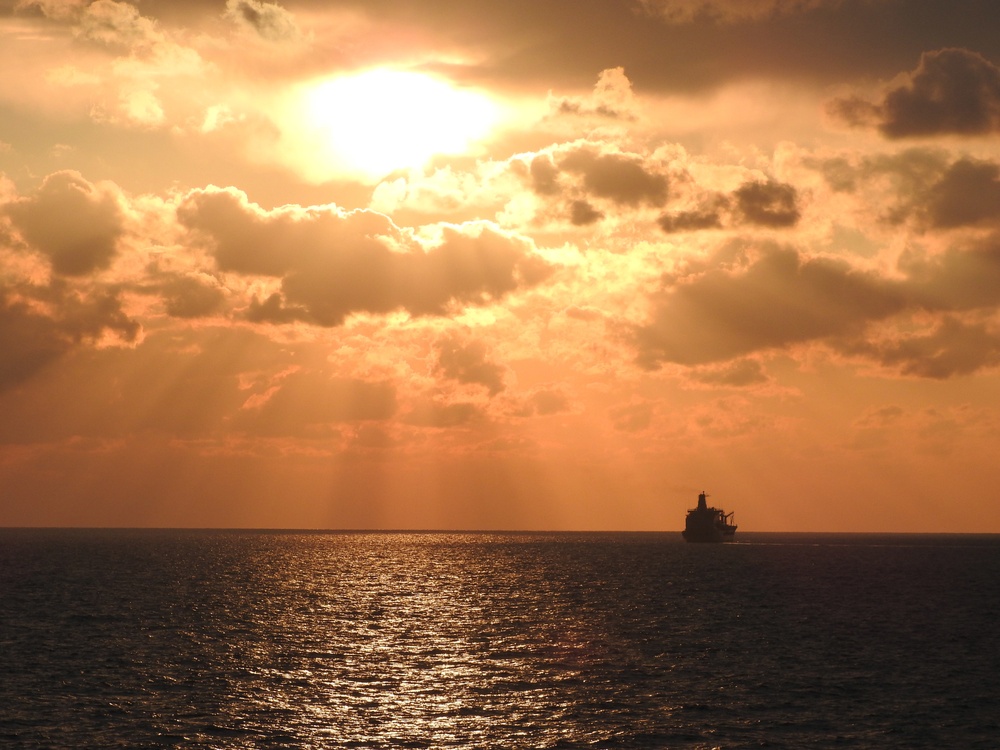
{"points": [[951, 92], [75, 224], [467, 362], [188, 297], [956, 280], [544, 175], [333, 263], [709, 216], [910, 171], [967, 194], [40, 324], [768, 204], [778, 298], [952, 349], [774, 300], [925, 184], [582, 214], [618, 177]]}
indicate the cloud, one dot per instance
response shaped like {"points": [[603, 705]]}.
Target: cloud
{"points": [[752, 299], [467, 362], [922, 184], [773, 299], [116, 24], [582, 214], [190, 297], [967, 194], [951, 92], [75, 224], [768, 204], [957, 279], [612, 98], [707, 217], [620, 178], [545, 402], [55, 9], [544, 175], [40, 324], [736, 374], [953, 348], [334, 262], [268, 20], [731, 11]]}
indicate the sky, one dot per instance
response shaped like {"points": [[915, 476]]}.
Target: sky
{"points": [[460, 264]]}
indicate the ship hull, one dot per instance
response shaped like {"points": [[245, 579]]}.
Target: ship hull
{"points": [[710, 536]]}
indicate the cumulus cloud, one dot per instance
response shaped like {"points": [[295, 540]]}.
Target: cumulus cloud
{"points": [[707, 217], [582, 214], [40, 324], [75, 224], [776, 297], [967, 194], [190, 297], [544, 175], [768, 204], [468, 362], [956, 280], [268, 20], [953, 348], [923, 184], [773, 300], [621, 178], [951, 92], [612, 98], [118, 25], [333, 262]]}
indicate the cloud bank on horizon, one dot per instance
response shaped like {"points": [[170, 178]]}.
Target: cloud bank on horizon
{"points": [[748, 244]]}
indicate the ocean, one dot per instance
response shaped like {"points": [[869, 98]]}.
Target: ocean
{"points": [[253, 639]]}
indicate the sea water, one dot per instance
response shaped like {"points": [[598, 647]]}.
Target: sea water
{"points": [[217, 639]]}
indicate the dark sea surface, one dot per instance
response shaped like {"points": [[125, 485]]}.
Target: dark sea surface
{"points": [[218, 639]]}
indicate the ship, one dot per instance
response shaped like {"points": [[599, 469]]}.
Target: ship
{"points": [[705, 524]]}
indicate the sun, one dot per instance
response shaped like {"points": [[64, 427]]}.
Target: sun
{"points": [[374, 122]]}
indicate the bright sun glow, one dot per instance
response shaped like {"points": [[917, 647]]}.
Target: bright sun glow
{"points": [[374, 122]]}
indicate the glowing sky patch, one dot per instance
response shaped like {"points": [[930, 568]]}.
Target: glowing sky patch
{"points": [[378, 121]]}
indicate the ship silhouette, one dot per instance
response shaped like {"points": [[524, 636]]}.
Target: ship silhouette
{"points": [[705, 524]]}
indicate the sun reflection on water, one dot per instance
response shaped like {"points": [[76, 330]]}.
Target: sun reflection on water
{"points": [[440, 648]]}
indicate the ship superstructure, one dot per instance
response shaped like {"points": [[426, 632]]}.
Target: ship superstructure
{"points": [[705, 524]]}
